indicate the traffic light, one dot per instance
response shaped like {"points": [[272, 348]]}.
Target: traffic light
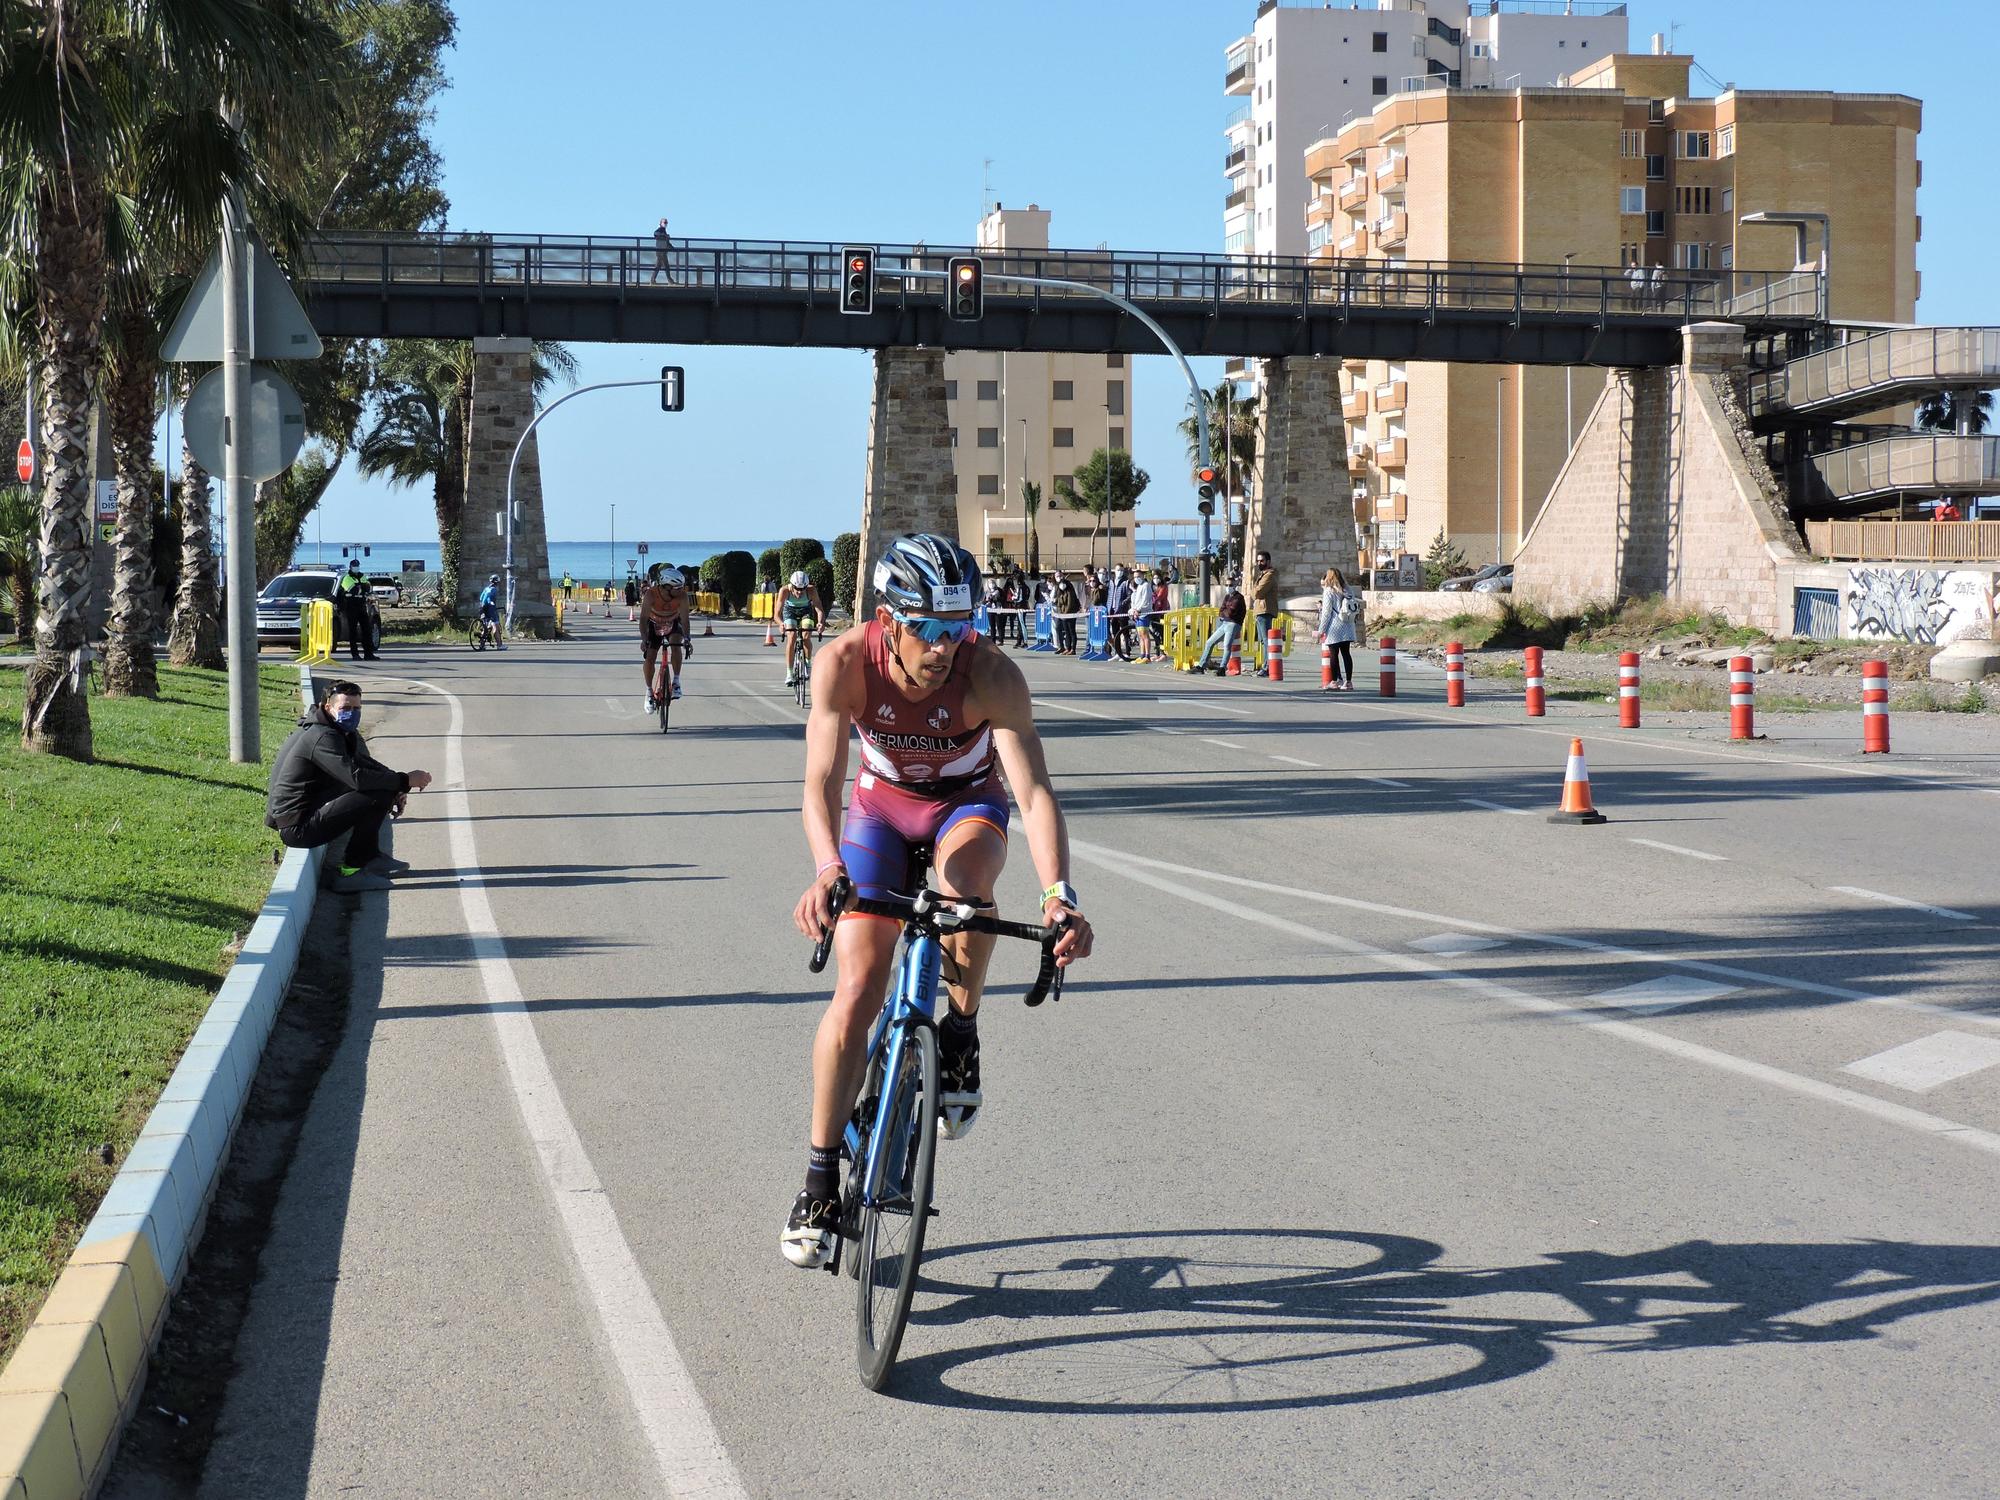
{"points": [[965, 289], [857, 280], [1204, 480], [673, 388]]}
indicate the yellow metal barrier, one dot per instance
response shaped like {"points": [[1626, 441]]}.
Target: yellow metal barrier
{"points": [[559, 614], [315, 632], [1188, 629], [761, 606], [708, 604]]}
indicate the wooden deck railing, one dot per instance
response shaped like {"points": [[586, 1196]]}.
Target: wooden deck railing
{"points": [[1905, 541]]}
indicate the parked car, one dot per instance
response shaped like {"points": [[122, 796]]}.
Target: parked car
{"points": [[386, 588], [1468, 581], [1498, 581], [279, 601]]}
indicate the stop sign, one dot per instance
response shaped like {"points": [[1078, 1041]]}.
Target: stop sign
{"points": [[24, 461]]}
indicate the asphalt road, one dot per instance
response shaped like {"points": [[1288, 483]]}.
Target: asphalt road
{"points": [[1396, 1142]]}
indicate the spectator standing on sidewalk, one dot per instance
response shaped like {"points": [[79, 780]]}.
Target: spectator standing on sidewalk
{"points": [[1339, 621], [1118, 604], [1263, 595], [325, 783], [1067, 602]]}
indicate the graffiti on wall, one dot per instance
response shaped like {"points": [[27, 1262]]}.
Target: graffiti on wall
{"points": [[1918, 606]]}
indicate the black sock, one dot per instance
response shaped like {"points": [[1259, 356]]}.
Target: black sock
{"points": [[823, 1171], [957, 1031]]}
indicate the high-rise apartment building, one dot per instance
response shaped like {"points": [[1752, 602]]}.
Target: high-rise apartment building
{"points": [[1034, 417], [1620, 167], [1305, 70]]}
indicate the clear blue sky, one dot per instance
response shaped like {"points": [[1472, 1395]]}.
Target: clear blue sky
{"points": [[774, 121]]}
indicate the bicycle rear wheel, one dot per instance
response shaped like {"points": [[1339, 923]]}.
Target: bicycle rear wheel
{"points": [[891, 1243], [478, 635]]}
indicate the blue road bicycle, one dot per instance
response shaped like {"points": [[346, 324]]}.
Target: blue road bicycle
{"points": [[891, 1141]]}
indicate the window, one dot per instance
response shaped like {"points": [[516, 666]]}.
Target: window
{"points": [[1065, 390], [1114, 397], [1060, 482], [1114, 362], [1656, 222], [1729, 200], [1631, 200], [1726, 257], [1065, 437], [1381, 88], [951, 390], [1656, 110], [1318, 237], [1479, 49], [1694, 143], [1691, 257], [1695, 200], [1725, 141], [1656, 168], [1381, 41], [989, 437], [1117, 437], [1631, 142], [989, 390], [1628, 255], [989, 484]]}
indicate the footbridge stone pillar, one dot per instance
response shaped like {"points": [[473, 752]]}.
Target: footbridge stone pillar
{"points": [[1304, 504], [503, 404], [911, 485]]}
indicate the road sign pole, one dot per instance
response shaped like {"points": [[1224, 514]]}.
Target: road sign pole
{"points": [[238, 489]]}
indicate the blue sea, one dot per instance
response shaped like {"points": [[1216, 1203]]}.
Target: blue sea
{"points": [[587, 562]]}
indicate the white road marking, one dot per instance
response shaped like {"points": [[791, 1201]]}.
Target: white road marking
{"points": [[1220, 708], [1225, 744], [619, 707], [1888, 900], [1455, 944], [1125, 865], [1401, 786], [1071, 708], [1162, 729], [1519, 812], [1580, 945], [1293, 760], [1668, 992], [788, 707], [687, 1449], [1677, 849], [1924, 1065]]}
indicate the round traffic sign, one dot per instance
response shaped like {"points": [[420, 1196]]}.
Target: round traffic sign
{"points": [[24, 462], [275, 423]]}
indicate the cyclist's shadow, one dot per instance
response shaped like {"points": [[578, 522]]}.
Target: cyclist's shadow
{"points": [[1244, 1319]]}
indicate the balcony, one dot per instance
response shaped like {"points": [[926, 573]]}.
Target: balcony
{"points": [[1357, 458], [1236, 199], [1392, 228], [1354, 405], [1239, 69], [1355, 365], [1390, 452], [1392, 506], [1391, 395], [1237, 119], [1352, 246], [1352, 193], [1238, 159], [1393, 171]]}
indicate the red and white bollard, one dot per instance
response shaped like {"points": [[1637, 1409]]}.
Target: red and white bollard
{"points": [[1326, 664], [1538, 698], [1454, 675], [1874, 708], [1742, 699], [1274, 656], [1628, 690], [1388, 666]]}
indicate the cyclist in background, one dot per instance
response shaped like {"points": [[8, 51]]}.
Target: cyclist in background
{"points": [[663, 619], [489, 607], [797, 606], [940, 714]]}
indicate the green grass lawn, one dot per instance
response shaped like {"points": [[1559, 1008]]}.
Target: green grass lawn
{"points": [[123, 885]]}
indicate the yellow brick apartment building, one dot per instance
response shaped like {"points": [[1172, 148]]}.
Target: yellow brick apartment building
{"points": [[1619, 167]]}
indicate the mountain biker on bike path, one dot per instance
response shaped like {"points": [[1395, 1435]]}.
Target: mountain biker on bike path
{"points": [[797, 606], [489, 604], [934, 706], [663, 616]]}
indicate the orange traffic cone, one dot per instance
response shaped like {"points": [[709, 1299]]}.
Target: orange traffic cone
{"points": [[708, 630], [770, 637], [1576, 806]]}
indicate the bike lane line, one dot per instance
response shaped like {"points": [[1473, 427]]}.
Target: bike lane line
{"points": [[1122, 863], [687, 1449]]}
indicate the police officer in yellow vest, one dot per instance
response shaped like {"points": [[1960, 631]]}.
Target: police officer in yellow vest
{"points": [[350, 603]]}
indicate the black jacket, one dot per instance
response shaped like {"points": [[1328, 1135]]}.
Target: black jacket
{"points": [[319, 762]]}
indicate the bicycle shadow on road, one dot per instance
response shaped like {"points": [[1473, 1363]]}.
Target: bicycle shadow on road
{"points": [[1166, 1322]]}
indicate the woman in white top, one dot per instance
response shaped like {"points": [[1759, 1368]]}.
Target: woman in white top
{"points": [[1339, 618]]}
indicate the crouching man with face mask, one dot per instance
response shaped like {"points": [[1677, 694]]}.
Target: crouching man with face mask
{"points": [[325, 783]]}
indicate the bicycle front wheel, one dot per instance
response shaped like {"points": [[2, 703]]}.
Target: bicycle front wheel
{"points": [[891, 1243]]}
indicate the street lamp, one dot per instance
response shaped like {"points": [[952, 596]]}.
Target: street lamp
{"points": [[1499, 459], [1799, 219]]}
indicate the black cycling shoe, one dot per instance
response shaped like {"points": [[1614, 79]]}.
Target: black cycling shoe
{"points": [[959, 1099], [810, 1231]]}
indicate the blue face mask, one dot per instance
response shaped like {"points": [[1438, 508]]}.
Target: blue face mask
{"points": [[348, 719]]}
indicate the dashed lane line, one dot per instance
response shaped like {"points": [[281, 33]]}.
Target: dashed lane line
{"points": [[1948, 913], [1225, 744], [1501, 807], [1127, 866], [1293, 760], [1401, 786], [1220, 708], [1932, 1062], [1677, 849]]}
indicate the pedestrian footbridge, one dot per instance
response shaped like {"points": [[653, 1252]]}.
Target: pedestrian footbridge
{"points": [[1858, 476], [1877, 370]]}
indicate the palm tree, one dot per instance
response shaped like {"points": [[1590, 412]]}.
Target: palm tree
{"points": [[1233, 434], [1031, 506], [1940, 411], [195, 637], [19, 516], [79, 82]]}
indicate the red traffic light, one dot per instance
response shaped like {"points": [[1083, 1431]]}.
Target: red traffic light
{"points": [[857, 263], [1205, 476]]}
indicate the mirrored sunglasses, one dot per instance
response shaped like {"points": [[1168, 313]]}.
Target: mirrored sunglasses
{"points": [[934, 632]]}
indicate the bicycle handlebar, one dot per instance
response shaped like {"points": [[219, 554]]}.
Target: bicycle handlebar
{"points": [[943, 915]]}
